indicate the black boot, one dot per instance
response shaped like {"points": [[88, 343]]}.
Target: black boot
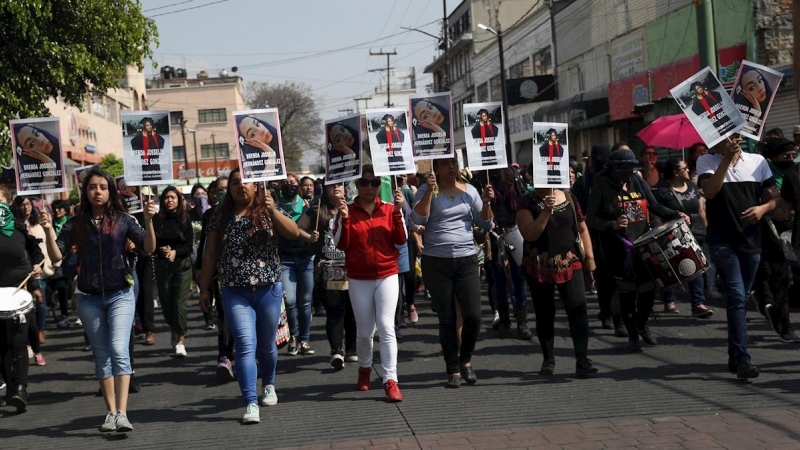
{"points": [[19, 399], [504, 331], [523, 332], [633, 334], [549, 363], [619, 329]]}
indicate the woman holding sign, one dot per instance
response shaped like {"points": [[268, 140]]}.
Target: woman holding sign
{"points": [[450, 260], [106, 303]]}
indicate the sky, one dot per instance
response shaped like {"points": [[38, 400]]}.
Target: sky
{"points": [[325, 44]]}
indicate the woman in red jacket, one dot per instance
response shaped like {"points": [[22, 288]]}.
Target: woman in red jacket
{"points": [[367, 230]]}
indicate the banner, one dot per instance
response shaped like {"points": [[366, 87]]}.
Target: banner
{"points": [[389, 141], [130, 195], [343, 149], [753, 92], [38, 156], [147, 147], [550, 155], [432, 127], [709, 107], [260, 149], [485, 136]]}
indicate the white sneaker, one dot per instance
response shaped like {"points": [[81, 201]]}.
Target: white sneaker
{"points": [[78, 322], [251, 414], [337, 361], [30, 352], [269, 398], [180, 350]]}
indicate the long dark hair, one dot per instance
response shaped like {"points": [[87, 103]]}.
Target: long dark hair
{"points": [[113, 207], [670, 166], [180, 213], [260, 219], [16, 208]]}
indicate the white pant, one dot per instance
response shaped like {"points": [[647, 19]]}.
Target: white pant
{"points": [[374, 303]]}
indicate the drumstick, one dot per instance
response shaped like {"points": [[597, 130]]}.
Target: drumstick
{"points": [[19, 288]]}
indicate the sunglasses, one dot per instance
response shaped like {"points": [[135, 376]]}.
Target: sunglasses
{"points": [[375, 182], [651, 153]]}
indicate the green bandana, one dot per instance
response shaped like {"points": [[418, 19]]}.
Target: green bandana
{"points": [[6, 220], [58, 224]]}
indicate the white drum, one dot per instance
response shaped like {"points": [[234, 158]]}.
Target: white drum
{"points": [[514, 242], [12, 304]]}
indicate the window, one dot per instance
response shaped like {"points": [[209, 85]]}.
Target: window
{"points": [[178, 153], [207, 151], [483, 93], [543, 63], [520, 70], [211, 115], [175, 117], [495, 89]]}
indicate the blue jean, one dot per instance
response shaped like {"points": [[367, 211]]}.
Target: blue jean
{"points": [[107, 321], [297, 275], [41, 308], [737, 270], [697, 292], [253, 314]]}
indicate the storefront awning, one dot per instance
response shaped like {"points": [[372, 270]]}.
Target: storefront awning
{"points": [[588, 109]]}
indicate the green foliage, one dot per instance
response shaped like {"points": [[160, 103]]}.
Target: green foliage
{"points": [[300, 121], [112, 165], [65, 49], [74, 195]]}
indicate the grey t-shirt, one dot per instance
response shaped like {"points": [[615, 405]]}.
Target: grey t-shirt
{"points": [[448, 228]]}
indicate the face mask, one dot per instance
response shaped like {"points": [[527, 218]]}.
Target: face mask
{"points": [[221, 195], [201, 203], [289, 190], [784, 165], [621, 177]]}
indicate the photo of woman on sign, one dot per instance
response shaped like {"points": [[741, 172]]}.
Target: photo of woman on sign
{"points": [[755, 92], [430, 119], [484, 129], [147, 140], [343, 144], [392, 138], [36, 146], [258, 141]]}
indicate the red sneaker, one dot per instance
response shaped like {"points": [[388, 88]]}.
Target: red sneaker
{"points": [[364, 374], [393, 394]]}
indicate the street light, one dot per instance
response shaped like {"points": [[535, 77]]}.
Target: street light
{"points": [[509, 154]]}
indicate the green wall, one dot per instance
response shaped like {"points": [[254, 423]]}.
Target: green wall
{"points": [[674, 36]]}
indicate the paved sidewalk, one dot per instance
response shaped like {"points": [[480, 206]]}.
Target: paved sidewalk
{"points": [[777, 429], [183, 405]]}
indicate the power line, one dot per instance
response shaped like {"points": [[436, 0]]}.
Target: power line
{"points": [[169, 6], [189, 8]]}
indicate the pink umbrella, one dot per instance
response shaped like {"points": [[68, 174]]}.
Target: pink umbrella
{"points": [[670, 132]]}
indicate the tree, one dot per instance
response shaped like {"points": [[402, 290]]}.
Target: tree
{"points": [[112, 165], [66, 50], [301, 126]]}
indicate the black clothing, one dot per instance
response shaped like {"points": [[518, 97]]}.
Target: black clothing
{"points": [[170, 232]]}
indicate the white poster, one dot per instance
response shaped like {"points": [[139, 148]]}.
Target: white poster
{"points": [[147, 147], [485, 135], [343, 149], [259, 145], [753, 92], [389, 141], [431, 125], [131, 195], [709, 107], [550, 155], [38, 156]]}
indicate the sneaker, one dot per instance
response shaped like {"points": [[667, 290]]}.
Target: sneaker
{"points": [[337, 361], [292, 346], [63, 323], [364, 375], [150, 338], [351, 356], [702, 312], [2, 385], [468, 375], [761, 307], [789, 337], [548, 367], [496, 322], [180, 350], [746, 370], [30, 352], [78, 322], [605, 322], [670, 308], [453, 381], [584, 368], [319, 311], [123, 424], [773, 316], [225, 369], [306, 349], [110, 424], [141, 336], [269, 397], [647, 336], [251, 414], [413, 317], [634, 347], [39, 359], [392, 390], [210, 325], [19, 400]]}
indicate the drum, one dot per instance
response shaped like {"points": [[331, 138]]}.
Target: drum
{"points": [[672, 254], [12, 305], [514, 241]]}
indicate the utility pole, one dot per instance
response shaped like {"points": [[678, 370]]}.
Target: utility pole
{"points": [[388, 70], [705, 35], [365, 99], [504, 95], [552, 5], [183, 138], [196, 160], [347, 111], [446, 45], [214, 146]]}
